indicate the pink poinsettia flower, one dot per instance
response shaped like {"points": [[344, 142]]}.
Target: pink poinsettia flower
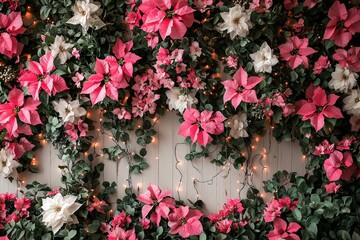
{"points": [[290, 4], [322, 63], [333, 165], [22, 205], [332, 187], [169, 17], [324, 148], [198, 126], [348, 58], [10, 27], [121, 219], [105, 82], [343, 24], [38, 77], [120, 234], [122, 113], [123, 62], [241, 88], [97, 205], [234, 205], [185, 222], [295, 51], [158, 199], [318, 106], [20, 148], [24, 109], [283, 231], [224, 226]]}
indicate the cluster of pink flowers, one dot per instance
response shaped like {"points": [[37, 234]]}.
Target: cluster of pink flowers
{"points": [[284, 231], [230, 217], [117, 229], [278, 100], [13, 208], [159, 205], [74, 131], [275, 207]]}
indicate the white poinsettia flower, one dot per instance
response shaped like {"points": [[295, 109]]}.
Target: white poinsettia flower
{"points": [[7, 162], [61, 49], [352, 103], [343, 79], [59, 210], [86, 14], [180, 101], [238, 124], [236, 21], [69, 110], [264, 59]]}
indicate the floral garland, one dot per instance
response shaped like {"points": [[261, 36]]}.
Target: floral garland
{"points": [[226, 67]]}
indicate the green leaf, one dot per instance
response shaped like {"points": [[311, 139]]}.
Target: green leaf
{"points": [[202, 236], [47, 236], [297, 214], [343, 235], [44, 12]]}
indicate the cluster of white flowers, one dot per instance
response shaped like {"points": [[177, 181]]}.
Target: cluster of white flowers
{"points": [[69, 110], [238, 124], [343, 79], [180, 101], [7, 162], [86, 13], [59, 210], [236, 21], [264, 59]]}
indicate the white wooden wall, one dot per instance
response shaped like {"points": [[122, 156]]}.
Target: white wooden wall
{"points": [[163, 172]]}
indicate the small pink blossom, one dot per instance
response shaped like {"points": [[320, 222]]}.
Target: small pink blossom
{"points": [[75, 53], [145, 223], [345, 144], [97, 205], [83, 128], [120, 234], [224, 226], [295, 52], [22, 205], [322, 63], [318, 106], [133, 19], [232, 62], [121, 113], [177, 55], [324, 148], [152, 39], [185, 222], [355, 123], [53, 192], [343, 24], [283, 231], [297, 26], [158, 200], [195, 50], [333, 165], [332, 187], [202, 5], [198, 126], [77, 79], [261, 6], [272, 210], [240, 89], [20, 148], [71, 131], [121, 219]]}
